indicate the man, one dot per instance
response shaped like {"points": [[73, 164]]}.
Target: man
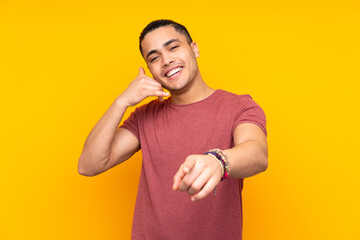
{"points": [[173, 135]]}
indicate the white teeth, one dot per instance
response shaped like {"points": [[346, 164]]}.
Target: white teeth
{"points": [[172, 72]]}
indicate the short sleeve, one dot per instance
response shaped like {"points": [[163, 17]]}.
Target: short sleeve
{"points": [[131, 124], [248, 111]]}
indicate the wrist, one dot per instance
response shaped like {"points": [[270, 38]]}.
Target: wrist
{"points": [[121, 102], [222, 158], [222, 169]]}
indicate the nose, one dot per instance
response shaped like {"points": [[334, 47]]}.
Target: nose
{"points": [[167, 60]]}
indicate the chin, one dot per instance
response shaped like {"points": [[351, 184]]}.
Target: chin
{"points": [[177, 89], [174, 85]]}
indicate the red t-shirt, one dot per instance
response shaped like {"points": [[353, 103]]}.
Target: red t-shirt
{"points": [[168, 133]]}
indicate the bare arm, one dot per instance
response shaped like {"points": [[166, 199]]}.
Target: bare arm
{"points": [[98, 145], [106, 146], [249, 156], [200, 174]]}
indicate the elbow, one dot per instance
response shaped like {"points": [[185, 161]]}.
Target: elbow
{"points": [[262, 158], [86, 173], [261, 166], [264, 165], [84, 170], [264, 162]]}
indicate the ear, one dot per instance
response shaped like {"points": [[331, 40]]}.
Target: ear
{"points": [[195, 49]]}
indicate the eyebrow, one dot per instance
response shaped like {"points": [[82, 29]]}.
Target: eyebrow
{"points": [[164, 45]]}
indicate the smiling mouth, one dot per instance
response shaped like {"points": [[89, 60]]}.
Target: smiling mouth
{"points": [[172, 72]]}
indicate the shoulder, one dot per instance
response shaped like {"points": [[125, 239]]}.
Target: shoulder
{"points": [[233, 98], [224, 93], [241, 104], [245, 110]]}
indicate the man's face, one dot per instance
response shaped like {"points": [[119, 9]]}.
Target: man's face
{"points": [[170, 59]]}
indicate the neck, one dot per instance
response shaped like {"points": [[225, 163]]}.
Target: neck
{"points": [[196, 91]]}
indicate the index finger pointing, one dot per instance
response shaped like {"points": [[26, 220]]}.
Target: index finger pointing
{"points": [[183, 170]]}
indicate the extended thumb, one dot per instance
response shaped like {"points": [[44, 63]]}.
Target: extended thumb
{"points": [[141, 70]]}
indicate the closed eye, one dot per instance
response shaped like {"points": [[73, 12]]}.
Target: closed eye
{"points": [[174, 47], [153, 59]]}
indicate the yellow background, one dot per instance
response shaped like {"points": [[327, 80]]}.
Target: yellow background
{"points": [[62, 64]]}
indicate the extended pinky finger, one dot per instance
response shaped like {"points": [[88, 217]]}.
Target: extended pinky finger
{"points": [[205, 191], [160, 94]]}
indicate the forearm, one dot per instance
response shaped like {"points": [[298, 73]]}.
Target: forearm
{"points": [[247, 159], [97, 148], [200, 174]]}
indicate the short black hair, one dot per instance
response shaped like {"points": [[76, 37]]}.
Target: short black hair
{"points": [[162, 23]]}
